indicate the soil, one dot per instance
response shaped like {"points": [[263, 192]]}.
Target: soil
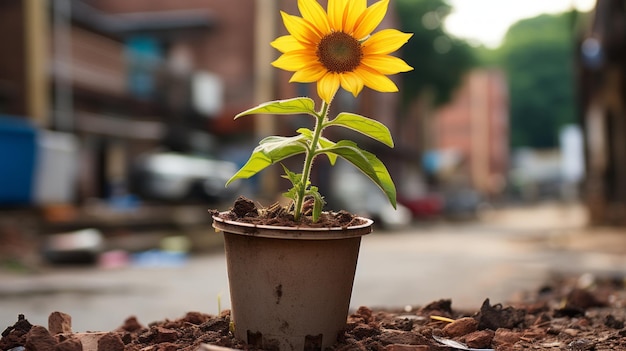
{"points": [[568, 313], [245, 210], [577, 313]]}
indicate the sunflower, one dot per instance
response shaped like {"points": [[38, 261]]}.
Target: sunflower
{"points": [[336, 48]]}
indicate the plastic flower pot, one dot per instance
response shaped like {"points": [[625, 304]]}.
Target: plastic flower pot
{"points": [[290, 287]]}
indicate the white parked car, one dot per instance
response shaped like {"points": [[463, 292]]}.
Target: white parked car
{"points": [[178, 177], [354, 192]]}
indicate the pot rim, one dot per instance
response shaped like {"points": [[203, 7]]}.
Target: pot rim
{"points": [[283, 232]]}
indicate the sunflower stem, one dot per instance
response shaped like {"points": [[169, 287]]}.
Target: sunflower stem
{"points": [[308, 162]]}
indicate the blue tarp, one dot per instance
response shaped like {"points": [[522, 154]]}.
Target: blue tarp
{"points": [[18, 151]]}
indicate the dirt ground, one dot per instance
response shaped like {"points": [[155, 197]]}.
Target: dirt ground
{"points": [[568, 313]]}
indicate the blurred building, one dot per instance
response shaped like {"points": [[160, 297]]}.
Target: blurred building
{"points": [[602, 91], [469, 144], [122, 78]]}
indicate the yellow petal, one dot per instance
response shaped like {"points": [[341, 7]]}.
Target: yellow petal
{"points": [[293, 61], [352, 83], [385, 64], [300, 29], [327, 86], [370, 19], [309, 74], [315, 14], [353, 12], [375, 80], [287, 43], [336, 9], [385, 41]]}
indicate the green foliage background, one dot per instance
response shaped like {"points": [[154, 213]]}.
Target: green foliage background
{"points": [[438, 59], [537, 55]]}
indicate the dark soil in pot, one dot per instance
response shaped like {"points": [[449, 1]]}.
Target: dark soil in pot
{"points": [[246, 211]]}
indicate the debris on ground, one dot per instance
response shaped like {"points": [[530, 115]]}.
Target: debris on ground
{"points": [[567, 313]]}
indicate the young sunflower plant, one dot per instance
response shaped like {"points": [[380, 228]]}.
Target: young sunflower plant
{"points": [[334, 48]]}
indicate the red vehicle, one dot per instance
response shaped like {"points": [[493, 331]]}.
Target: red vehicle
{"points": [[428, 206]]}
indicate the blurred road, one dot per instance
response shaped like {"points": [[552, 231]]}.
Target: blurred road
{"points": [[504, 253]]}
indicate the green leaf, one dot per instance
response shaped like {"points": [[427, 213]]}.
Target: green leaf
{"points": [[306, 132], [318, 203], [293, 106], [366, 126], [293, 177], [325, 144], [276, 145], [270, 150], [294, 192], [367, 163]]}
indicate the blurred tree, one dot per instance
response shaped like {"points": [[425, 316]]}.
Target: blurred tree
{"points": [[438, 59], [538, 57]]}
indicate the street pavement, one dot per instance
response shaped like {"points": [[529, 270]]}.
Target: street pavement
{"points": [[500, 256]]}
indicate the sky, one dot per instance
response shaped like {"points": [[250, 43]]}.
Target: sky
{"points": [[486, 21]]}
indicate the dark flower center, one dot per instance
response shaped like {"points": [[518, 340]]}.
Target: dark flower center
{"points": [[339, 52]]}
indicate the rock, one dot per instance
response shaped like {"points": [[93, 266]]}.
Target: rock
{"points": [[480, 339], [88, 340], [494, 317], [441, 307], [460, 327], [363, 331], [504, 337], [582, 299], [39, 339], [110, 342], [15, 335], [364, 313], [131, 324], [59, 323], [243, 207], [196, 318], [71, 344], [22, 326], [164, 334]]}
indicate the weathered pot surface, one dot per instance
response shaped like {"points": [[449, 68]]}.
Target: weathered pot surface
{"points": [[290, 287]]}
